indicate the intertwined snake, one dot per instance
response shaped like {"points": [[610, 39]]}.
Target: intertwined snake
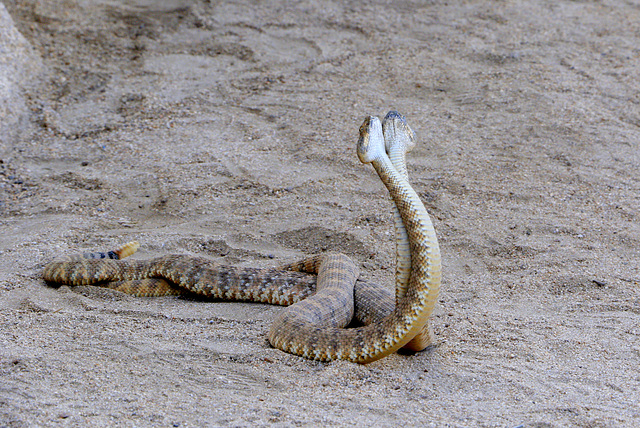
{"points": [[320, 289]]}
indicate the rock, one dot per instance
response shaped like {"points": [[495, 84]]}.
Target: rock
{"points": [[19, 64]]}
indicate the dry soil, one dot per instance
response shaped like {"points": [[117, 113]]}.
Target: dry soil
{"points": [[227, 129]]}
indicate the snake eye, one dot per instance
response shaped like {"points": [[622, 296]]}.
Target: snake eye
{"points": [[365, 125]]}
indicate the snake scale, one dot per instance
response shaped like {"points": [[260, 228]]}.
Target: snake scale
{"points": [[323, 291]]}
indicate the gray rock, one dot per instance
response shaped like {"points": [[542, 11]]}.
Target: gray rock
{"points": [[19, 64]]}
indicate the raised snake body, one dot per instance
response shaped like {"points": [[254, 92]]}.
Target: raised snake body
{"points": [[313, 327]]}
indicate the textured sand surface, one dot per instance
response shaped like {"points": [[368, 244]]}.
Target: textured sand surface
{"points": [[227, 129]]}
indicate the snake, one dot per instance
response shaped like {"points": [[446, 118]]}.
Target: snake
{"points": [[399, 139], [323, 292]]}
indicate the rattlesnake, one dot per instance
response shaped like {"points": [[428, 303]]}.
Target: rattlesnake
{"points": [[312, 327]]}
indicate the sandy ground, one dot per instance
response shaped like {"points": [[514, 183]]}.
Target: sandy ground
{"points": [[227, 129]]}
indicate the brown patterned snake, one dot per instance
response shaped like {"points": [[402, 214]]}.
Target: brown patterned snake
{"points": [[398, 140], [312, 327]]}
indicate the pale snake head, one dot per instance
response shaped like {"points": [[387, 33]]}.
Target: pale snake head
{"points": [[371, 142], [398, 136]]}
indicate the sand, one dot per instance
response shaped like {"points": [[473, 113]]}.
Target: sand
{"points": [[227, 129]]}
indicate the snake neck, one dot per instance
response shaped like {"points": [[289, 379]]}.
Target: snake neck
{"points": [[397, 155], [415, 306]]}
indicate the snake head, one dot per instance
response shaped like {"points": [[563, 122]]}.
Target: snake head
{"points": [[397, 134], [371, 141]]}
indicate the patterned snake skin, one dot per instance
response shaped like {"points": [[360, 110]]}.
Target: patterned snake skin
{"points": [[323, 291]]}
